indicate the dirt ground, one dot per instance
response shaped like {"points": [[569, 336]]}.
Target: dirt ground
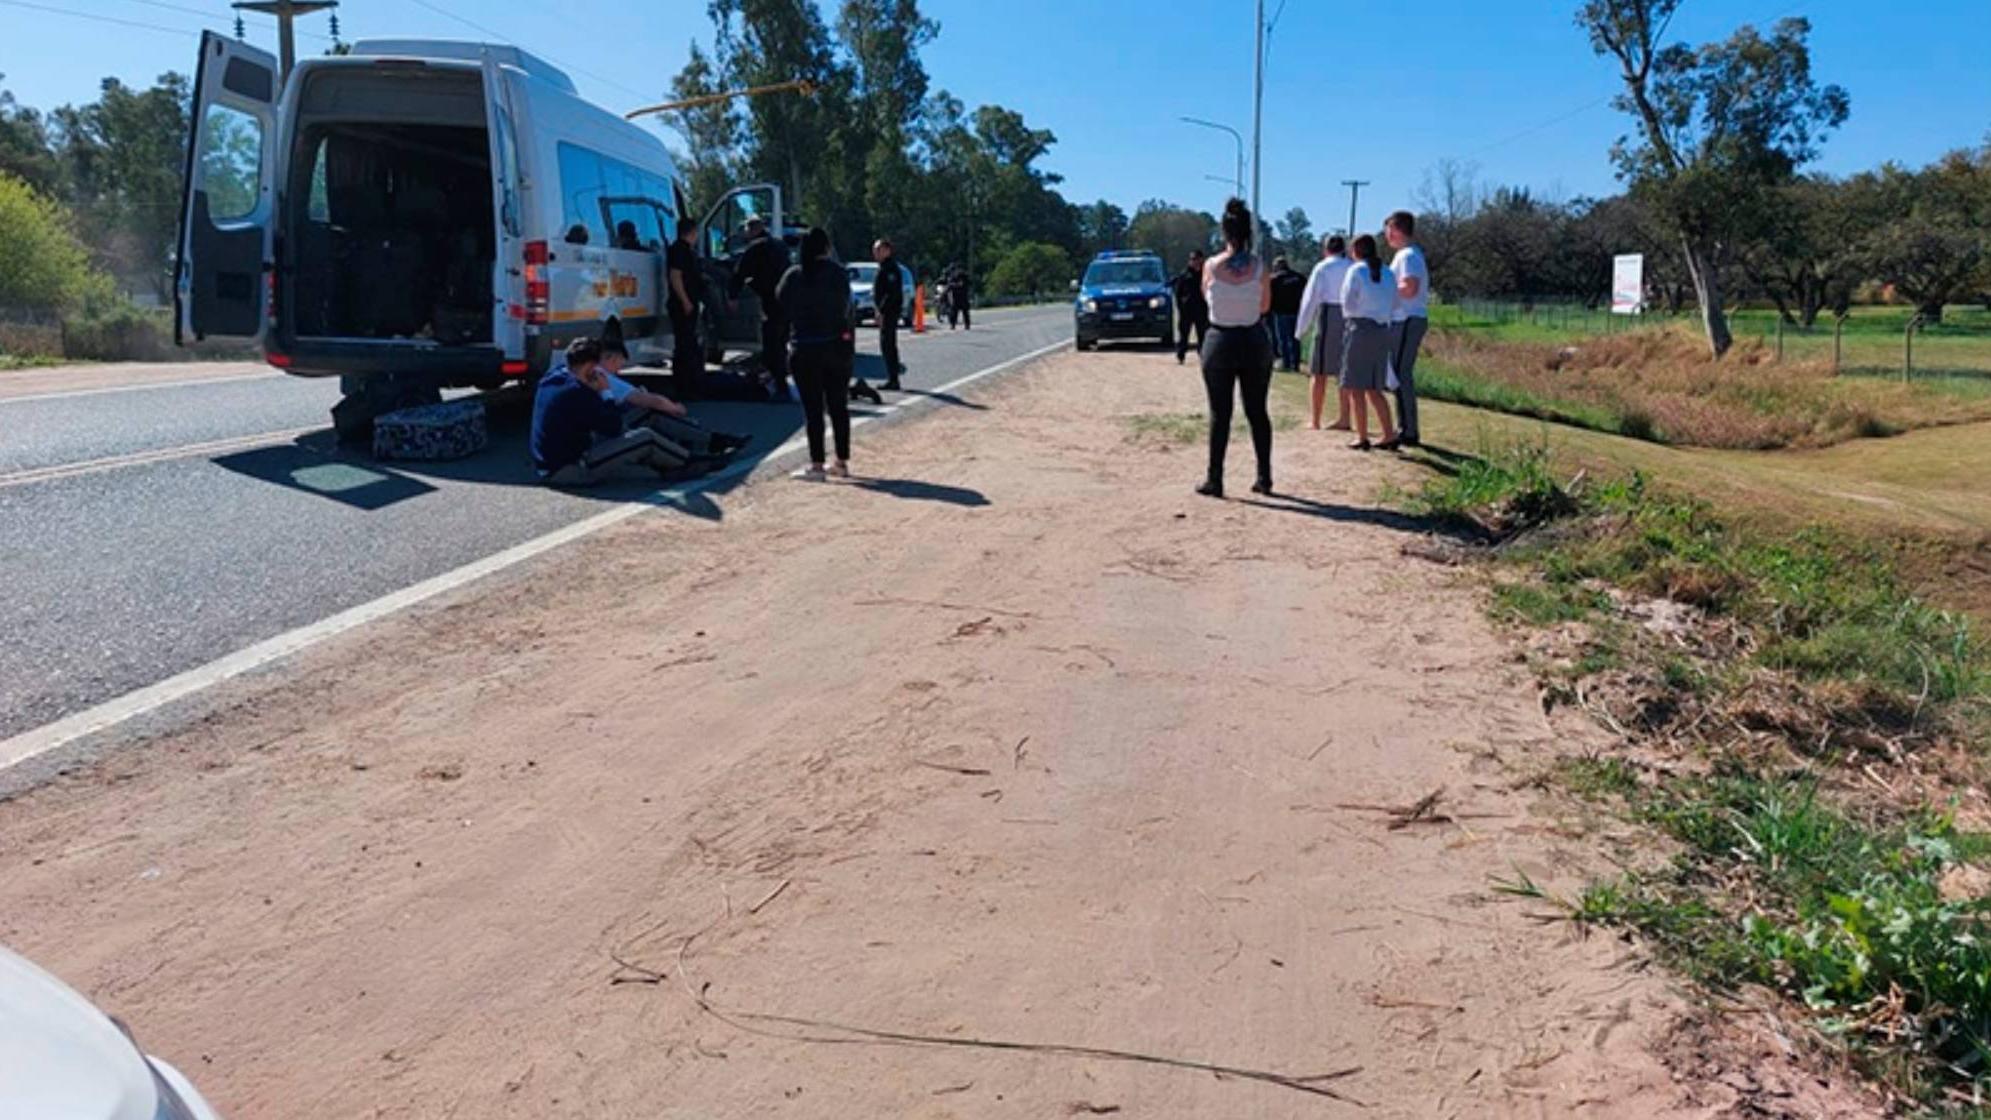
{"points": [[1018, 741]]}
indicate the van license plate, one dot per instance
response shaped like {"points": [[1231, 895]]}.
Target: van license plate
{"points": [[1122, 316]]}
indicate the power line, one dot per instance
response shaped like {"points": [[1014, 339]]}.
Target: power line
{"points": [[99, 18], [482, 30], [214, 17]]}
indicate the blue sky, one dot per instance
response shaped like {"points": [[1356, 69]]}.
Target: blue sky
{"points": [[1353, 90]]}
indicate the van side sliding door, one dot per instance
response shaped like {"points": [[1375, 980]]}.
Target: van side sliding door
{"points": [[227, 193]]}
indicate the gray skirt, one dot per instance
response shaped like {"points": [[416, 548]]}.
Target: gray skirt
{"points": [[1365, 357], [1326, 359]]}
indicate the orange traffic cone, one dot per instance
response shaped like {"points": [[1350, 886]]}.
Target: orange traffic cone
{"points": [[919, 309]]}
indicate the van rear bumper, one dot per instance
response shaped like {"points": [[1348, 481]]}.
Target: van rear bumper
{"points": [[451, 365]]}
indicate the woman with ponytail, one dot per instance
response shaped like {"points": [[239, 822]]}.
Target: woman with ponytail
{"points": [[1237, 354], [1368, 298]]}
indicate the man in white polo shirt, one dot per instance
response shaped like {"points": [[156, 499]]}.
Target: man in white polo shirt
{"points": [[1408, 324]]}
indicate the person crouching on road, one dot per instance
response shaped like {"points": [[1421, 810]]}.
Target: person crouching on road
{"points": [[578, 435], [1320, 310], [644, 409], [1237, 355], [1287, 289], [1368, 299], [815, 299]]}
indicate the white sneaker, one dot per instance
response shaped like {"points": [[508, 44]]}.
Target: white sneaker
{"points": [[811, 473]]}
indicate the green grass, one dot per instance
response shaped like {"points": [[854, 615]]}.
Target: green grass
{"points": [[1194, 427], [29, 361], [1774, 884]]}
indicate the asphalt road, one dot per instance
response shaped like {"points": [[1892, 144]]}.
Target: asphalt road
{"points": [[146, 532]]}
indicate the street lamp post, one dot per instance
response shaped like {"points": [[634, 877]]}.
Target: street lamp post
{"points": [[1235, 135], [1354, 191], [1257, 107]]}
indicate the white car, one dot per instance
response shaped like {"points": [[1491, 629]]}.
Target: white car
{"points": [[61, 1057]]}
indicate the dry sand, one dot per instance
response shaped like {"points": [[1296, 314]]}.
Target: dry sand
{"points": [[1018, 741]]}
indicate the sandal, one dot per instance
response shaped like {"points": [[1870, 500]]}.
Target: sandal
{"points": [[1360, 445], [1390, 444]]}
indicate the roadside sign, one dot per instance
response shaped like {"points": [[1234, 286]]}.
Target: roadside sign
{"points": [[1628, 283]]}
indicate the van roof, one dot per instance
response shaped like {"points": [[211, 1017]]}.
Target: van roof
{"points": [[503, 54]]}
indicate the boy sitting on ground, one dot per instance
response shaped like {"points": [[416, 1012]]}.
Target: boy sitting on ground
{"points": [[580, 436]]}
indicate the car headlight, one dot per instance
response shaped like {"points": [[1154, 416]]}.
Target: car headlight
{"points": [[1158, 302], [1091, 306]]}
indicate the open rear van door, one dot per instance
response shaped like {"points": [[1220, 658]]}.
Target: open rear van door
{"points": [[722, 237], [507, 259], [228, 194]]}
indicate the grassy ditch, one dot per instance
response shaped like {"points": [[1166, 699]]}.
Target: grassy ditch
{"points": [[1655, 383], [1801, 733]]}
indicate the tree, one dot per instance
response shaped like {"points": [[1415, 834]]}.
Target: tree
{"points": [[43, 267], [711, 133], [1717, 128], [25, 152], [1101, 226], [1936, 246], [123, 157], [1030, 268], [1171, 230], [1813, 250], [1295, 234]]}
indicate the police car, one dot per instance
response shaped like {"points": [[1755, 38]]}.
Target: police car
{"points": [[1124, 294]]}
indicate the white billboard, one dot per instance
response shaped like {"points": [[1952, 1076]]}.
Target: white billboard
{"points": [[1628, 283]]}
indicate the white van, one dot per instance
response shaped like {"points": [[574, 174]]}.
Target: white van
{"points": [[449, 210]]}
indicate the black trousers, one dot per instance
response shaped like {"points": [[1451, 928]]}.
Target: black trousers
{"points": [[957, 308], [1239, 359], [774, 343], [687, 353], [1191, 317], [822, 373], [888, 343]]}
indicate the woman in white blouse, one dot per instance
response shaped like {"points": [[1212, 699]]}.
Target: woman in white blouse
{"points": [[1320, 308], [1368, 298], [1237, 353]]}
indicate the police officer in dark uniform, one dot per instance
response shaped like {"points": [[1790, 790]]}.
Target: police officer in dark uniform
{"points": [[1191, 309], [888, 297], [761, 266], [957, 298], [684, 294]]}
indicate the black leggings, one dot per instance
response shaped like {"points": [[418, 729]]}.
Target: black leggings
{"points": [[822, 372], [1241, 357]]}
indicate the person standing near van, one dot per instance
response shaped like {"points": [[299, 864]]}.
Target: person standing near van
{"points": [[685, 281], [1413, 289], [815, 301], [1287, 289], [888, 296], [1320, 310], [1368, 303], [761, 267], [1237, 355], [1191, 312]]}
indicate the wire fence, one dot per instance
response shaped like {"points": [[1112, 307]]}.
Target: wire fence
{"points": [[1869, 341]]}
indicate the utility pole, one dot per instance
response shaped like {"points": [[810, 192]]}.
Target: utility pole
{"points": [[286, 12], [1257, 105], [1354, 191]]}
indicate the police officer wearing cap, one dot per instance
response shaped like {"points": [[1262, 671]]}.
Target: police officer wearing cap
{"points": [[761, 266]]}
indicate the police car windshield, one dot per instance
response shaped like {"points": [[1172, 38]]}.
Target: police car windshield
{"points": [[1146, 270]]}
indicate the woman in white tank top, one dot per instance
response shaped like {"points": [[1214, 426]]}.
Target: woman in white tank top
{"points": [[1237, 353]]}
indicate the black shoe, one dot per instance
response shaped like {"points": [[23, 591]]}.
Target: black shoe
{"points": [[862, 391], [1262, 486], [1211, 488], [1410, 441], [892, 386]]}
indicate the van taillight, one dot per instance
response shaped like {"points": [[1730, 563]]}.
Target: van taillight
{"points": [[538, 290]]}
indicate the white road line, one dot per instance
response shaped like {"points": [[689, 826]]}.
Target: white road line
{"points": [[65, 393], [158, 455], [152, 697]]}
